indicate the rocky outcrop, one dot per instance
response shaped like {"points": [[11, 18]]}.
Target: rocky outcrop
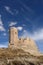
{"points": [[19, 57], [20, 51]]}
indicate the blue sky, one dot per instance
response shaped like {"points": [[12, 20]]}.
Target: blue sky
{"points": [[26, 16]]}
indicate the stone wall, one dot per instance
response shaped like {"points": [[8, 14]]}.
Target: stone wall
{"points": [[24, 43]]}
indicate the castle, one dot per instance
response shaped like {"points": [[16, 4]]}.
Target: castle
{"points": [[26, 44]]}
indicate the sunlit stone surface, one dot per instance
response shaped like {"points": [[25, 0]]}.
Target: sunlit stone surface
{"points": [[26, 44], [21, 51]]}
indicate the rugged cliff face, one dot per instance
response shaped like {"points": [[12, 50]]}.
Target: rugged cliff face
{"points": [[19, 57]]}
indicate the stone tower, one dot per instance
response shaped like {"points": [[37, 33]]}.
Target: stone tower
{"points": [[13, 37], [26, 44]]}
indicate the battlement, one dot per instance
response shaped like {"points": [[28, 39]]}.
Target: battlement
{"points": [[23, 43]]}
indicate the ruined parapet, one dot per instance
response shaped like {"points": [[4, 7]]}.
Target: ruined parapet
{"points": [[30, 46], [29, 43], [26, 44]]}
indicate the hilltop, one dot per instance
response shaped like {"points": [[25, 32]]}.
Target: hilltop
{"points": [[18, 57], [20, 51]]}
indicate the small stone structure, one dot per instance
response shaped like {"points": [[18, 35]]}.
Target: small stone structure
{"points": [[26, 44]]}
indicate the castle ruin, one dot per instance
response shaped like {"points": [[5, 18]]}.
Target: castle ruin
{"points": [[26, 44]]}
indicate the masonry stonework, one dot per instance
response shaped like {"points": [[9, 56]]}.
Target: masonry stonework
{"points": [[23, 43]]}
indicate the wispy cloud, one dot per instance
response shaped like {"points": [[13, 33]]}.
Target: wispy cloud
{"points": [[4, 34], [16, 11], [1, 25], [8, 10], [24, 24], [12, 23], [26, 7], [3, 46], [36, 35], [19, 28]]}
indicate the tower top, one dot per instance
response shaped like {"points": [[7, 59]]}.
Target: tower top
{"points": [[13, 28]]}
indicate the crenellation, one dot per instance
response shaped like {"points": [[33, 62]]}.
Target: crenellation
{"points": [[23, 43]]}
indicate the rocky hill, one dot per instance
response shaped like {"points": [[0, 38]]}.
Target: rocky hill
{"points": [[19, 57]]}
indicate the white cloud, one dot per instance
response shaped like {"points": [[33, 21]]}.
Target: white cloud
{"points": [[4, 34], [24, 31], [12, 23], [0, 21], [36, 35], [19, 28], [1, 25], [2, 28], [3, 46], [25, 34], [8, 10]]}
